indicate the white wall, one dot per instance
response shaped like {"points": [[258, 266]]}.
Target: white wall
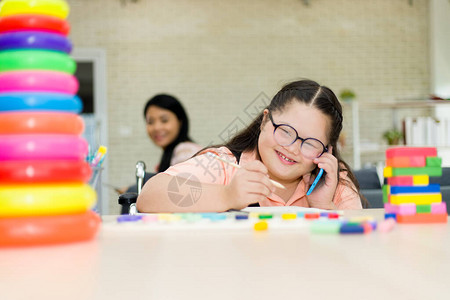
{"points": [[440, 47]]}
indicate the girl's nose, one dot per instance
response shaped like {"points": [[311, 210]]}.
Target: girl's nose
{"points": [[295, 147]]}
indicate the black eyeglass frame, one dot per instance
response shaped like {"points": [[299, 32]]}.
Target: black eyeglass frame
{"points": [[325, 149]]}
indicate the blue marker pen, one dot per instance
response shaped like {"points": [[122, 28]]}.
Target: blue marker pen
{"points": [[315, 182]]}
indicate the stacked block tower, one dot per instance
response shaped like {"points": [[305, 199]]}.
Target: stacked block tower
{"points": [[44, 195], [408, 193]]}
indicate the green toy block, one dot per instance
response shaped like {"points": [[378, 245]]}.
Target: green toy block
{"points": [[430, 171], [423, 208], [385, 193], [433, 161]]}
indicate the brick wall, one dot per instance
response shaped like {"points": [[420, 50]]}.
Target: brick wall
{"points": [[219, 56]]}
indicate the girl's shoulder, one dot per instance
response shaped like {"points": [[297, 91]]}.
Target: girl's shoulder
{"points": [[187, 146], [183, 151]]}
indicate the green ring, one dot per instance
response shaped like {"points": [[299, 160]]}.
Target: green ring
{"points": [[36, 60]]}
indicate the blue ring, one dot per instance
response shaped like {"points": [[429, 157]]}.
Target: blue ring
{"points": [[35, 40], [40, 101]]}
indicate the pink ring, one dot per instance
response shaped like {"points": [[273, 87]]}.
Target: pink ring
{"points": [[39, 81], [42, 146]]}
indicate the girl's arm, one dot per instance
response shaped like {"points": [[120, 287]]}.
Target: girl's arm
{"points": [[166, 193]]}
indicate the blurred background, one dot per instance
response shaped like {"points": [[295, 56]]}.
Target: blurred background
{"points": [[224, 60]]}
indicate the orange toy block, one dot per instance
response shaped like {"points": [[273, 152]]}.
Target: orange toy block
{"points": [[411, 151], [406, 161], [422, 218]]}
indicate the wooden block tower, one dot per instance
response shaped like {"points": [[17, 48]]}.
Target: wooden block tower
{"points": [[408, 192]]}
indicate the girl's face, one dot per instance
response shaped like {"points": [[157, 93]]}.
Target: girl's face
{"points": [[286, 163], [163, 126]]}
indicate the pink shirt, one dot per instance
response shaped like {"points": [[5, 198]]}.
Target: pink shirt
{"points": [[210, 170]]}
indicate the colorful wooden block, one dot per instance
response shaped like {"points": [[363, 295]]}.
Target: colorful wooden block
{"points": [[386, 193], [415, 198], [439, 208], [416, 180], [431, 188], [412, 209], [411, 151], [326, 226], [421, 180], [406, 161], [423, 209], [433, 161], [422, 218], [351, 229], [430, 171]]}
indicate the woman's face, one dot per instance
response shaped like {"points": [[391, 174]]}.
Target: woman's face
{"points": [[286, 163], [163, 126]]}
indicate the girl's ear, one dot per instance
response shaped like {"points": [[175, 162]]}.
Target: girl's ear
{"points": [[264, 119]]}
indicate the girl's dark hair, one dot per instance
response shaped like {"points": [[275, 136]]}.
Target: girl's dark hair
{"points": [[170, 103], [310, 93]]}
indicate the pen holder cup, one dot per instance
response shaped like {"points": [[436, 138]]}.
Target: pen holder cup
{"points": [[95, 178]]}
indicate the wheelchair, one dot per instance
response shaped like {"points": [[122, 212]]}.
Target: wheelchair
{"points": [[128, 199]]}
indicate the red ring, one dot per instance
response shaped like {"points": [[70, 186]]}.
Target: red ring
{"points": [[33, 231], [48, 171], [40, 122], [34, 22]]}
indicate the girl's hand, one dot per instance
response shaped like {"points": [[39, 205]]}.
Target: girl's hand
{"points": [[249, 185], [323, 194]]}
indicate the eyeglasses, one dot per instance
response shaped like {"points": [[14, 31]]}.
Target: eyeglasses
{"points": [[286, 135]]}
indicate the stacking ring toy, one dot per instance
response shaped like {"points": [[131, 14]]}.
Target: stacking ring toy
{"points": [[44, 171], [35, 40], [40, 101], [34, 22], [56, 8], [48, 230], [40, 122], [39, 81], [45, 199], [36, 59], [42, 147]]}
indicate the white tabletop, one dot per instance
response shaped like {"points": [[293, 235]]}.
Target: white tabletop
{"points": [[410, 262]]}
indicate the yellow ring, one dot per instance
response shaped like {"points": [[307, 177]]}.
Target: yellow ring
{"points": [[45, 199], [56, 8]]}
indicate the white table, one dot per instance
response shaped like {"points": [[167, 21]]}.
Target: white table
{"points": [[410, 262]]}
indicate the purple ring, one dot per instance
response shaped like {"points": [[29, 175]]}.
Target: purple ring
{"points": [[35, 40]]}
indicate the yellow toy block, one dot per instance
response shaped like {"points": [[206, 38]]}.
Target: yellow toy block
{"points": [[387, 172], [421, 180], [415, 198]]}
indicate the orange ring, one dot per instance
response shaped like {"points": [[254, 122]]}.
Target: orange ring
{"points": [[33, 231], [44, 171], [40, 122]]}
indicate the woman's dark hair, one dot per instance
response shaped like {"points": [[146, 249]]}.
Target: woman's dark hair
{"points": [[170, 103], [310, 93]]}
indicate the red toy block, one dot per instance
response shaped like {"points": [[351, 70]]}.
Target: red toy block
{"points": [[406, 161], [422, 218], [411, 151]]}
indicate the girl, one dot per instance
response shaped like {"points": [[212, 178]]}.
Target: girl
{"points": [[294, 137]]}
